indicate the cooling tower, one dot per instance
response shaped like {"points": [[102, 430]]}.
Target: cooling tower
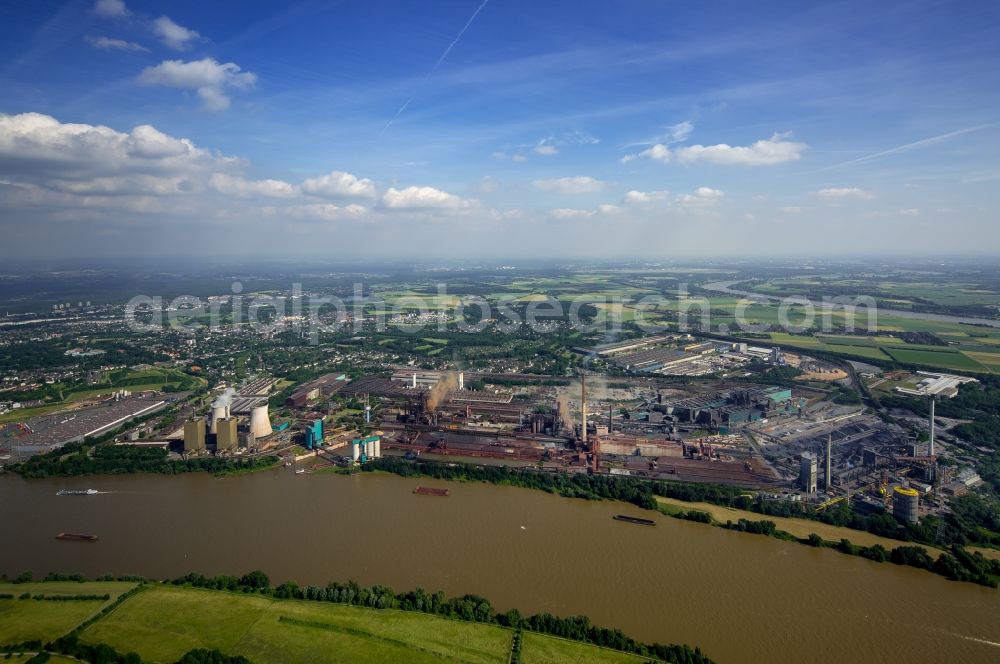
{"points": [[356, 450], [378, 448], [218, 413], [260, 425]]}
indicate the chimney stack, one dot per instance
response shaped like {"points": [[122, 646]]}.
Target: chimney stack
{"points": [[583, 405], [930, 448], [829, 447]]}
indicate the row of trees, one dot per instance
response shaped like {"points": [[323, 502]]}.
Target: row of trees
{"points": [[471, 608], [586, 486], [956, 564], [66, 598], [75, 459], [101, 653]]}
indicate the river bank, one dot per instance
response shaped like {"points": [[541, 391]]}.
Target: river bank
{"points": [[802, 528]]}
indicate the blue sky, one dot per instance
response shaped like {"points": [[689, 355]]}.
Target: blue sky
{"points": [[463, 127]]}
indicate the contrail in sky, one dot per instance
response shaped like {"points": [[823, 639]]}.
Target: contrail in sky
{"points": [[906, 148], [438, 63]]}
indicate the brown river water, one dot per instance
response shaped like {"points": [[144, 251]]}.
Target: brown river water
{"points": [[740, 597]]}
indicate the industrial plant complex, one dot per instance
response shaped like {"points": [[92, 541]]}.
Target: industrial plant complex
{"points": [[790, 442]]}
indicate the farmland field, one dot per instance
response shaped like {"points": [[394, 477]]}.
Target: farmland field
{"points": [[28, 619], [163, 622], [944, 359]]}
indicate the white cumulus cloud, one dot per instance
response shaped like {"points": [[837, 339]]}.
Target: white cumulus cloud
{"points": [[339, 183], [207, 76], [33, 144], [173, 35], [242, 188], [766, 152], [775, 150], [580, 184], [702, 197], [659, 152], [639, 197], [423, 198]]}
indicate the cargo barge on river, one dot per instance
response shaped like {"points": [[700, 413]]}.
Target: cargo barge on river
{"points": [[430, 491], [634, 519], [76, 537]]}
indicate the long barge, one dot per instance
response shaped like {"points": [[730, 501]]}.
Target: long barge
{"points": [[430, 491], [76, 537], [634, 519]]}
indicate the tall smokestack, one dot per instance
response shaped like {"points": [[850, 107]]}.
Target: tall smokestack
{"points": [[829, 447], [583, 405], [461, 380], [930, 448]]}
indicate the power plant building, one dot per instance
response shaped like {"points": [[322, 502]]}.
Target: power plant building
{"points": [[194, 435], [314, 434], [807, 472], [324, 386], [225, 435], [905, 504]]}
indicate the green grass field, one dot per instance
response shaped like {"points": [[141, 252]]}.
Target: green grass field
{"points": [[163, 622], [539, 649], [29, 619], [945, 359], [966, 353]]}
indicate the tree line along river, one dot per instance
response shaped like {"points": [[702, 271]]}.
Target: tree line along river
{"points": [[740, 597]]}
